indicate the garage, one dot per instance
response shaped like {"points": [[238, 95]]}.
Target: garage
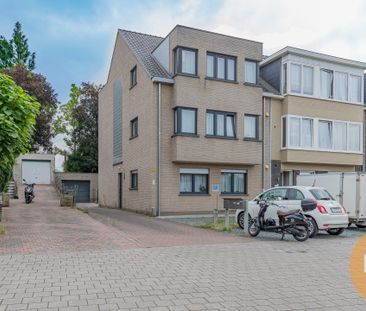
{"points": [[36, 171], [82, 189]]}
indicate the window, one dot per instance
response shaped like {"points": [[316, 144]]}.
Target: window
{"points": [[186, 61], [220, 124], [134, 128], [295, 78], [134, 180], [233, 182], [284, 85], [306, 133], [326, 83], [340, 136], [222, 67], [185, 121], [294, 194], [133, 77], [300, 132], [284, 132], [294, 131], [354, 137], [193, 181], [274, 194], [321, 194], [341, 87], [325, 134], [251, 129], [355, 88], [251, 68], [308, 74]]}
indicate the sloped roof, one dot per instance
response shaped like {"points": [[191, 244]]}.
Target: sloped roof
{"points": [[268, 87], [142, 45]]}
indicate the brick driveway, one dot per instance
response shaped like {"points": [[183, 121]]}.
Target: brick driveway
{"points": [[115, 270]]}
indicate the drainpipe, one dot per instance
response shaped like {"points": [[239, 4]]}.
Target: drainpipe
{"points": [[158, 152], [263, 140], [270, 141]]}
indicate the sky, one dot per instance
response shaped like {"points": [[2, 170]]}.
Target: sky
{"points": [[74, 39]]}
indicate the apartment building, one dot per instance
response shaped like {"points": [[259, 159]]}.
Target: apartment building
{"points": [[182, 124], [316, 113]]}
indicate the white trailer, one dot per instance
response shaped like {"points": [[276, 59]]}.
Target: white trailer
{"points": [[349, 189]]}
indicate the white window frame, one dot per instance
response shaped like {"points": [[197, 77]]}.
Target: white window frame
{"points": [[302, 65]]}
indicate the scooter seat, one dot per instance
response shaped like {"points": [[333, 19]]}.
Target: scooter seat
{"points": [[283, 213]]}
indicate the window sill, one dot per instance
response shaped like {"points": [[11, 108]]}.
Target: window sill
{"points": [[185, 135], [194, 194], [186, 75], [257, 140], [133, 137], [221, 137], [222, 80], [233, 194], [252, 84], [133, 189]]}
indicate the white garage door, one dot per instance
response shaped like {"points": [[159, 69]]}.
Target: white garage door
{"points": [[36, 171]]}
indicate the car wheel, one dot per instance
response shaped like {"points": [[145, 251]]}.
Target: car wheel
{"points": [[360, 226], [336, 231], [312, 227], [241, 220]]}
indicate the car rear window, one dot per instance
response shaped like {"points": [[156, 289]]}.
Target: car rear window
{"points": [[321, 194]]}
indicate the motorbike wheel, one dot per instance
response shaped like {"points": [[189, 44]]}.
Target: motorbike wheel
{"points": [[253, 229], [27, 200], [336, 231], [303, 233]]}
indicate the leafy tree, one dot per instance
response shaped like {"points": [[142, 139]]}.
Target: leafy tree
{"points": [[38, 86], [78, 121], [16, 51], [18, 111]]}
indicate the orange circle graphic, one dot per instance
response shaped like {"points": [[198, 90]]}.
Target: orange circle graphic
{"points": [[357, 266]]}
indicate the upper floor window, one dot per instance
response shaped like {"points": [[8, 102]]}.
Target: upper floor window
{"points": [[134, 180], [134, 128], [295, 78], [355, 88], [186, 61], [251, 72], [326, 83], [222, 67], [133, 77], [308, 78], [251, 128], [220, 123], [325, 138], [185, 121], [341, 87]]}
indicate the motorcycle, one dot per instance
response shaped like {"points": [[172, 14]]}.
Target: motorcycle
{"points": [[290, 222], [28, 192]]}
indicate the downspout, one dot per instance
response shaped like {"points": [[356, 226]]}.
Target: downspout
{"points": [[270, 142], [158, 152], [263, 140]]}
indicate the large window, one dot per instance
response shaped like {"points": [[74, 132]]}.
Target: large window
{"points": [[354, 137], [251, 72], [308, 78], [326, 83], [185, 121], [134, 180], [251, 127], [186, 61], [341, 85], [221, 124], [295, 78], [300, 132], [193, 181], [233, 182], [306, 133], [325, 134], [222, 67], [340, 136], [355, 88]]}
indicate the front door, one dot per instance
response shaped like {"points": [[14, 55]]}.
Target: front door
{"points": [[120, 192]]}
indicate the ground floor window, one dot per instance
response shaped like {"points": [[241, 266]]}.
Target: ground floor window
{"points": [[233, 182], [134, 180], [193, 181]]}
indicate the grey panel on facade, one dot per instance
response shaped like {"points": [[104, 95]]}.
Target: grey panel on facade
{"points": [[82, 188], [117, 121], [142, 45], [271, 73]]}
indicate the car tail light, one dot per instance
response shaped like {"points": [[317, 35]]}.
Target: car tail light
{"points": [[322, 209]]}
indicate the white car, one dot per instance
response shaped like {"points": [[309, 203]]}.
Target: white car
{"points": [[329, 215]]}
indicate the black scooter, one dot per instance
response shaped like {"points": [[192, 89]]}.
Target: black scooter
{"points": [[28, 192], [292, 222]]}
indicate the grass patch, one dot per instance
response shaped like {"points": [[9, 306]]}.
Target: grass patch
{"points": [[83, 209], [219, 226], [2, 230]]}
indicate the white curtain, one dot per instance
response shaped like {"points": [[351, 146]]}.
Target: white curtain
{"points": [[295, 132], [340, 136], [220, 68], [326, 83], [355, 88], [340, 80], [220, 125], [250, 72], [354, 137], [250, 127], [325, 135], [210, 66], [226, 182], [308, 80], [200, 183], [239, 183], [189, 62], [188, 121], [185, 183], [295, 78], [230, 126], [307, 133], [209, 123], [230, 69]]}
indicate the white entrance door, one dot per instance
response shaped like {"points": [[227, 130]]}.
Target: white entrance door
{"points": [[36, 171]]}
